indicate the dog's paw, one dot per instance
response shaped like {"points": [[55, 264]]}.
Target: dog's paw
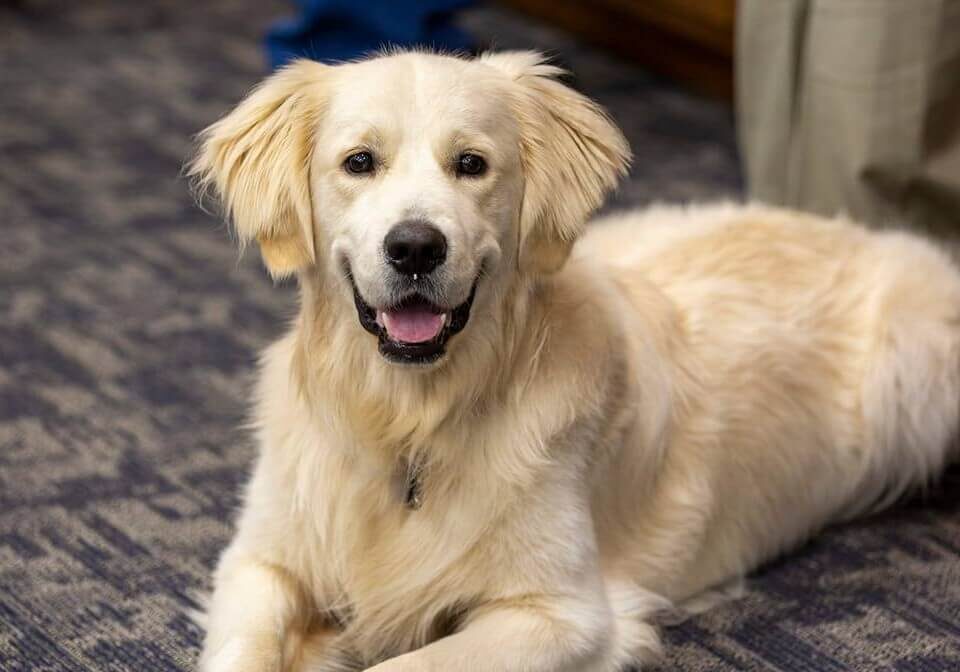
{"points": [[408, 662], [236, 655]]}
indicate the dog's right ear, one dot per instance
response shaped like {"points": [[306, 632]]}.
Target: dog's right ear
{"points": [[257, 161]]}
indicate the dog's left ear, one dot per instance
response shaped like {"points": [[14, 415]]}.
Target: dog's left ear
{"points": [[573, 155], [257, 160]]}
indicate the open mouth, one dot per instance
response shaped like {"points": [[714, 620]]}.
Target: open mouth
{"points": [[414, 331]]}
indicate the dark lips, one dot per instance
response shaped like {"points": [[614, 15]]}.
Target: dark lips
{"points": [[413, 353]]}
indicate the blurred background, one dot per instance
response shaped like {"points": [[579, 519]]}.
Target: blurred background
{"points": [[129, 327]]}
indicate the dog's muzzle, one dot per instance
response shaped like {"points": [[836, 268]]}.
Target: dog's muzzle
{"points": [[415, 330]]}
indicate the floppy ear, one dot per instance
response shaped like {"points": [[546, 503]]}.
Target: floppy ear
{"points": [[257, 160], [573, 155]]}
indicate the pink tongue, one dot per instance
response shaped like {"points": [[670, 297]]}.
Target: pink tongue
{"points": [[412, 324]]}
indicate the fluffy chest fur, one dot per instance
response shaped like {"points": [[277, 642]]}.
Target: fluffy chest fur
{"points": [[502, 493]]}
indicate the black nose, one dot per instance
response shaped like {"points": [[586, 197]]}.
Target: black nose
{"points": [[415, 247]]}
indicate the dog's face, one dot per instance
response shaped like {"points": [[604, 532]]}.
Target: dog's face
{"points": [[418, 170], [412, 183]]}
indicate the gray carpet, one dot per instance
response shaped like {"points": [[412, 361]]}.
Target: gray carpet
{"points": [[128, 330]]}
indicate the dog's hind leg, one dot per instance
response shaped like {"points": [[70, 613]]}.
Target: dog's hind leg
{"points": [[635, 639]]}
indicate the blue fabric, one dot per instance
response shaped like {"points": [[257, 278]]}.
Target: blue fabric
{"points": [[336, 30]]}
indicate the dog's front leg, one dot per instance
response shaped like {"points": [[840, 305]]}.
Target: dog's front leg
{"points": [[254, 609], [528, 634]]}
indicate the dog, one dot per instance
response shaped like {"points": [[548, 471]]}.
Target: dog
{"points": [[496, 439]]}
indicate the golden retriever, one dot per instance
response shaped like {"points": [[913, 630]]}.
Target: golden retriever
{"points": [[495, 440]]}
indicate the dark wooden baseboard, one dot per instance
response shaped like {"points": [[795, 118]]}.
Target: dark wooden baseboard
{"points": [[688, 40]]}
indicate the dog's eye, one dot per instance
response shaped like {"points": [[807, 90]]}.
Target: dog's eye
{"points": [[361, 162], [471, 164]]}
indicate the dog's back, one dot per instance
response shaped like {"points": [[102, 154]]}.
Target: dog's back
{"points": [[819, 366]]}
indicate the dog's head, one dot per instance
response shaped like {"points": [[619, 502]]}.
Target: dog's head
{"points": [[410, 185]]}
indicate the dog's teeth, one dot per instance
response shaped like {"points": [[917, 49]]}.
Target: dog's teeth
{"points": [[380, 317], [443, 319]]}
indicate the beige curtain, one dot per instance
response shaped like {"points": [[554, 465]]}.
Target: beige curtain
{"points": [[853, 106]]}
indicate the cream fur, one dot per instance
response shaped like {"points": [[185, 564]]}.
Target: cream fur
{"points": [[692, 392]]}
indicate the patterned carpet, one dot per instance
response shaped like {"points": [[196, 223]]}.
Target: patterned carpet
{"points": [[128, 329]]}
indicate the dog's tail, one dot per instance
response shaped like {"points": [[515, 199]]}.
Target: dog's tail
{"points": [[911, 394]]}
